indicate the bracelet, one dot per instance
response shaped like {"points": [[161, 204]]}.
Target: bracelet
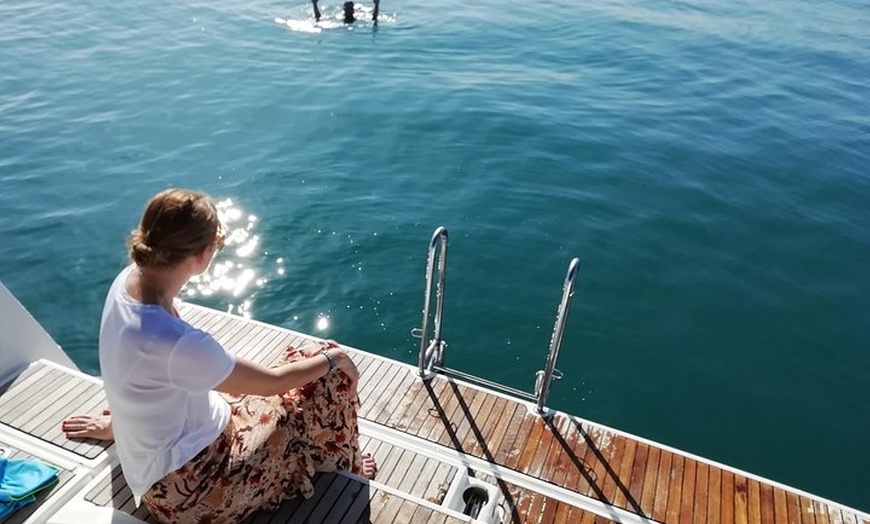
{"points": [[330, 359]]}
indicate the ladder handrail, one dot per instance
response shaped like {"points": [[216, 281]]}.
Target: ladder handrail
{"points": [[430, 354], [432, 351], [545, 377]]}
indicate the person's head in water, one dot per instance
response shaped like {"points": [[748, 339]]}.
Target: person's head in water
{"points": [[348, 13]]}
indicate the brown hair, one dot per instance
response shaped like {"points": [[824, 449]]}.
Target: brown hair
{"points": [[177, 223]]}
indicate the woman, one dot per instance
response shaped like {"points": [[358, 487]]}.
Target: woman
{"points": [[202, 435]]}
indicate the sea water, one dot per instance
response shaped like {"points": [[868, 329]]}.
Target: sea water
{"points": [[707, 161]]}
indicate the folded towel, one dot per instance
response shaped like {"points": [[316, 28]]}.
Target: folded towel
{"points": [[21, 480]]}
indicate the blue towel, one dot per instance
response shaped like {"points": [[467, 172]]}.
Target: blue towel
{"points": [[20, 481]]}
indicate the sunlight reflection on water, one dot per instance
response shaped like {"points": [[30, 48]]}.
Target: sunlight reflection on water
{"points": [[232, 274]]}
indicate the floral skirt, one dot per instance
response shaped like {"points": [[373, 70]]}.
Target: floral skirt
{"points": [[269, 451]]}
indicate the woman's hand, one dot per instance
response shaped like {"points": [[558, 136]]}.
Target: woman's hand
{"points": [[97, 427], [344, 364]]}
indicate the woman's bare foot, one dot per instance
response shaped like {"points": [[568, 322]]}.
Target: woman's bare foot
{"points": [[97, 427], [369, 466]]}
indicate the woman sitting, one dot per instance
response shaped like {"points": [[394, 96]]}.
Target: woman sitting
{"points": [[202, 435]]}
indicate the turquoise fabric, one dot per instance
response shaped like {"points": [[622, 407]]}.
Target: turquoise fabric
{"points": [[20, 481]]}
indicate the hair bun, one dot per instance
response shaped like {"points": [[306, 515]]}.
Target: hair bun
{"points": [[143, 254]]}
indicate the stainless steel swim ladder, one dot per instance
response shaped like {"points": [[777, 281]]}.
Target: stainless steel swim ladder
{"points": [[432, 349]]}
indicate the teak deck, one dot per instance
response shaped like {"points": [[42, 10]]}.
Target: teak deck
{"points": [[656, 483], [649, 482]]}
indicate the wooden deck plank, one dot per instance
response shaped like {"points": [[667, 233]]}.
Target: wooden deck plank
{"points": [[612, 463], [444, 406], [598, 453], [363, 364], [66, 407], [562, 514], [702, 496], [21, 398], [807, 511], [385, 513], [766, 504], [306, 507], [524, 505], [411, 402], [741, 499], [687, 492], [245, 343], [850, 518], [62, 386], [780, 506], [347, 497], [552, 431], [445, 433], [537, 439], [373, 386], [398, 381], [394, 468], [50, 428], [209, 322], [513, 443], [47, 409], [648, 494], [551, 507], [821, 512], [359, 510], [591, 481], [727, 503], [835, 515], [256, 348], [412, 474], [473, 422], [426, 515], [15, 391], [427, 407], [663, 477], [586, 517], [223, 330], [586, 456], [714, 495], [623, 477], [330, 498], [406, 510], [400, 400], [636, 476], [510, 412], [536, 508], [269, 349], [568, 463], [436, 491], [675, 488], [753, 500], [274, 352], [372, 382], [474, 442], [425, 477]]}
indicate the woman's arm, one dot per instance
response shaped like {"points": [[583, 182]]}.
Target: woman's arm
{"points": [[254, 379]]}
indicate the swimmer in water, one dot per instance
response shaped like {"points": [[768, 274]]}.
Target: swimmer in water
{"points": [[348, 7]]}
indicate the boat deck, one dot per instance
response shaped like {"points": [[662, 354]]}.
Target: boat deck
{"points": [[427, 436]]}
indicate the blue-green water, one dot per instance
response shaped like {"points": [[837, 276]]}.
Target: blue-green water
{"points": [[707, 161]]}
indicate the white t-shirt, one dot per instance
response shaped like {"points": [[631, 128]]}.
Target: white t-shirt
{"points": [[159, 372]]}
